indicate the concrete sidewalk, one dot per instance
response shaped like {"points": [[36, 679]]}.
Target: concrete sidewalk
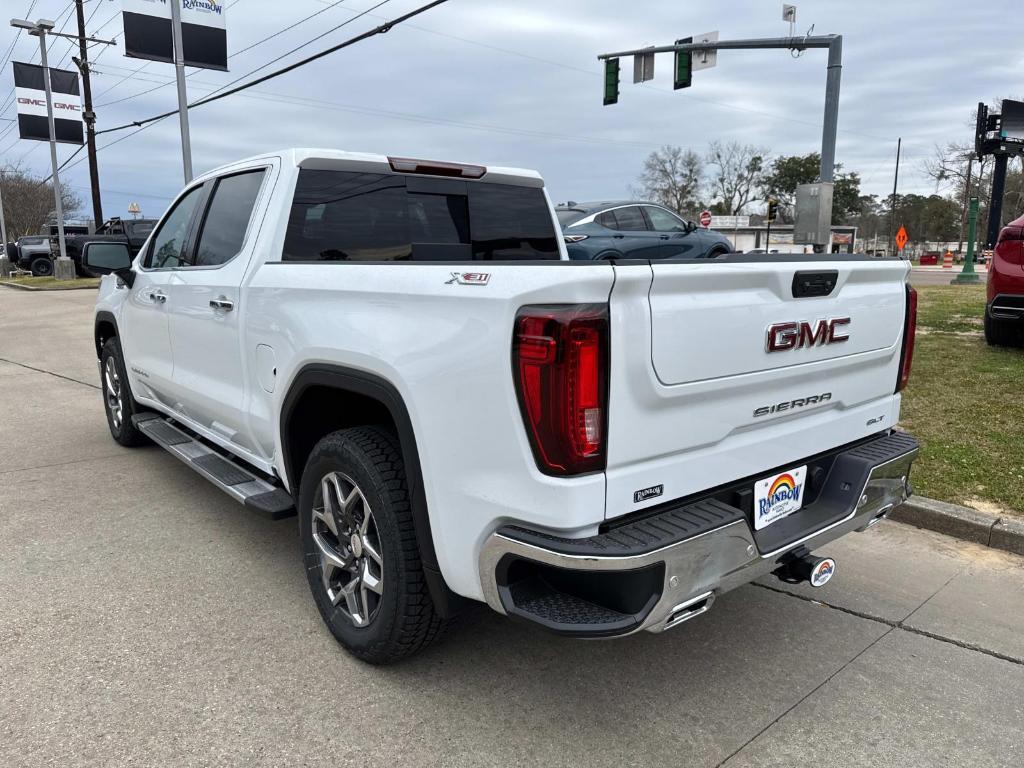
{"points": [[148, 619]]}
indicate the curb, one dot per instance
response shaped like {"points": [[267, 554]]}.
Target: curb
{"points": [[18, 287], [962, 523]]}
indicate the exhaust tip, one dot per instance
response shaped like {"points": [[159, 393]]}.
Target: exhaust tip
{"points": [[690, 609]]}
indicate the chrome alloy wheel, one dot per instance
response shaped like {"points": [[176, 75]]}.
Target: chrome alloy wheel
{"points": [[348, 544], [112, 390]]}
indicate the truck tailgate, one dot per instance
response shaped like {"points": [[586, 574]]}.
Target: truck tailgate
{"points": [[700, 397]]}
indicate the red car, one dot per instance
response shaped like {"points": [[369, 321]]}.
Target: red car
{"points": [[1004, 312]]}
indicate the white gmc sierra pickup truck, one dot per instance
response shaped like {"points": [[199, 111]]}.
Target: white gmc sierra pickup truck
{"points": [[399, 352]]}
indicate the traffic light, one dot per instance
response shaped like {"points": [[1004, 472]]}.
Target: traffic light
{"points": [[611, 81], [981, 127], [684, 66], [773, 210]]}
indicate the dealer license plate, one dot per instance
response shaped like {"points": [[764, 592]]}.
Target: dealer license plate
{"points": [[778, 496]]}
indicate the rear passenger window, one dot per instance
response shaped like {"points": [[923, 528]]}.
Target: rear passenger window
{"points": [[141, 229], [338, 216], [510, 222], [227, 218], [630, 219], [350, 216]]}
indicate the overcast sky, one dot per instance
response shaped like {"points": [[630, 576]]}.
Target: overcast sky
{"points": [[518, 83]]}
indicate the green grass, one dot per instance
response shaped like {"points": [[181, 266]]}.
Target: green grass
{"points": [[965, 403], [53, 284]]}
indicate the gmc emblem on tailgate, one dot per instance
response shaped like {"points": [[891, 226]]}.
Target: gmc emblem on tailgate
{"points": [[783, 336]]}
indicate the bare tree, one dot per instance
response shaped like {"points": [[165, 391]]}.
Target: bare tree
{"points": [[673, 177], [737, 176], [29, 202]]}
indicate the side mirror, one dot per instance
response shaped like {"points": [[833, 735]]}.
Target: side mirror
{"points": [[109, 259], [691, 226]]}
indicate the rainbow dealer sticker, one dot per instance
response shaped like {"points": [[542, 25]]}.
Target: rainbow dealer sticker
{"points": [[777, 496]]}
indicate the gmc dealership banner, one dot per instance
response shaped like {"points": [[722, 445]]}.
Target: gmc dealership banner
{"points": [[30, 94], [147, 32]]}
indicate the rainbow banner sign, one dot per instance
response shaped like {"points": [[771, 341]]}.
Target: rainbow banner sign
{"points": [[777, 496]]}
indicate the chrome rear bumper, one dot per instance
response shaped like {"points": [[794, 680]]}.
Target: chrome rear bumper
{"points": [[698, 569]]}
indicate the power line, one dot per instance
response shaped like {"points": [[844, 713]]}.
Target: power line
{"points": [[144, 65], [379, 30], [17, 36], [236, 53]]}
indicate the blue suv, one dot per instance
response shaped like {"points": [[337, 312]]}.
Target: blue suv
{"points": [[634, 230]]}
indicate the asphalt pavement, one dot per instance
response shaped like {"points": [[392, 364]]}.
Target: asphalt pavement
{"points": [[147, 619]]}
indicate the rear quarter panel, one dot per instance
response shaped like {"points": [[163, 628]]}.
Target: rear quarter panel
{"points": [[446, 348]]}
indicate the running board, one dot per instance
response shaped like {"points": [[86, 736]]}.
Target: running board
{"points": [[241, 484]]}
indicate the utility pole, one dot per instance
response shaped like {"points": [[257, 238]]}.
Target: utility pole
{"points": [[41, 28], [892, 208], [179, 67], [90, 117]]}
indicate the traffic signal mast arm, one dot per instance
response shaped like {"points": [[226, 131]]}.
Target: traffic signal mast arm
{"points": [[789, 43]]}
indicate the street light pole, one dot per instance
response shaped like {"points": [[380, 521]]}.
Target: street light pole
{"points": [[179, 67], [40, 31], [967, 274]]}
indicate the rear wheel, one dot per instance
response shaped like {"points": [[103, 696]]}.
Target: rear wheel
{"points": [[360, 551], [42, 266], [1001, 333], [117, 398]]}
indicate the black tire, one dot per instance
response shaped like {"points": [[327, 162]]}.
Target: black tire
{"points": [[402, 619], [42, 266], [1000, 333], [714, 253], [112, 370]]}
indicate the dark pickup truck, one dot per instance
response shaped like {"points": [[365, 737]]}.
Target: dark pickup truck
{"points": [[131, 231]]}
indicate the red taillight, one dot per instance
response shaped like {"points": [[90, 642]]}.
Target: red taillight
{"points": [[1011, 232], [1010, 246], [909, 332], [560, 363]]}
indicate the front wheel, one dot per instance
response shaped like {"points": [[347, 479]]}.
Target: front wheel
{"points": [[360, 551], [117, 398]]}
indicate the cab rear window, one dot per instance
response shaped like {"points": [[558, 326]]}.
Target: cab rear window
{"points": [[352, 216]]}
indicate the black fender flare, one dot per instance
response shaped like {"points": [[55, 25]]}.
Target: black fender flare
{"points": [[103, 316], [380, 389]]}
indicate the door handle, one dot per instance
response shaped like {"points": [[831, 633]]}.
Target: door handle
{"points": [[159, 297], [222, 303], [618, 237], [663, 237]]}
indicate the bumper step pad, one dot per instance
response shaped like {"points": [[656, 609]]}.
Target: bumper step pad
{"points": [[238, 482]]}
